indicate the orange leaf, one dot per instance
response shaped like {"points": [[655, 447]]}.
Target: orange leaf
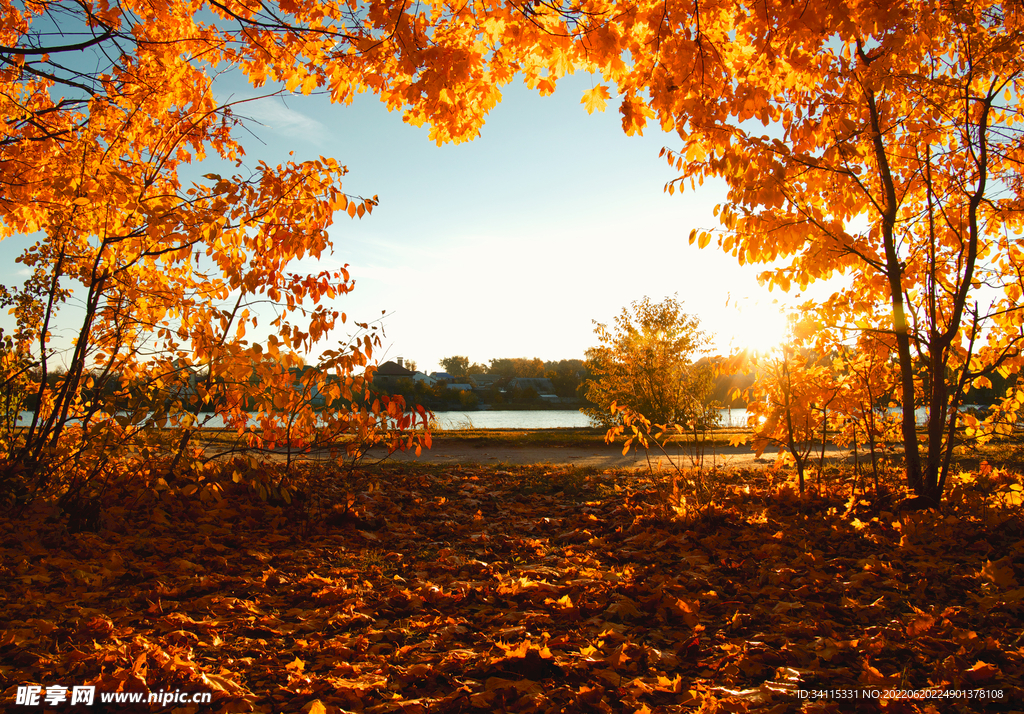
{"points": [[595, 99]]}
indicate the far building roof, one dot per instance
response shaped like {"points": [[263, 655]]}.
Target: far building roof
{"points": [[391, 369], [484, 380]]}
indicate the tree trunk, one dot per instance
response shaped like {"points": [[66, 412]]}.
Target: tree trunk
{"points": [[894, 275]]}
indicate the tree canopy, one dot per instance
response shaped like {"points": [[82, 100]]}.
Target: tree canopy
{"points": [[877, 141], [459, 366], [895, 162], [645, 362]]}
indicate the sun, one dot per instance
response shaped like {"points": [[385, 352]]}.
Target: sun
{"points": [[761, 326]]}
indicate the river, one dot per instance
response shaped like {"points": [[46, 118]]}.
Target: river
{"points": [[496, 419], [567, 419], [544, 419], [517, 419]]}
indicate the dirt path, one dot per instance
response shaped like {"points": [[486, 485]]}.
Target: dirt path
{"points": [[596, 456]]}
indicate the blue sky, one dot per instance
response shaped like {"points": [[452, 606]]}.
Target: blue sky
{"points": [[512, 244]]}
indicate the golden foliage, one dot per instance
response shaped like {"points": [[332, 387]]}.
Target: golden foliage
{"points": [[877, 141]]}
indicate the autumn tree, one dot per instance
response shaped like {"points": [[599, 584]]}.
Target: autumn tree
{"points": [[792, 394], [872, 140], [509, 368], [649, 390], [16, 368], [99, 123], [568, 376], [459, 366], [106, 102], [868, 379], [877, 141], [477, 368], [645, 362]]}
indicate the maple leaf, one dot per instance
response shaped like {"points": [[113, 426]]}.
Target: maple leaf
{"points": [[595, 99], [1000, 572]]}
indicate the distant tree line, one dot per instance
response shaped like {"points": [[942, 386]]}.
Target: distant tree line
{"points": [[567, 372], [567, 378]]}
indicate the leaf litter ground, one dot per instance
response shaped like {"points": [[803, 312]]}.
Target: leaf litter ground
{"points": [[407, 588]]}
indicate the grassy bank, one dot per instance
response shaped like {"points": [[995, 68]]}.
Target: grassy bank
{"points": [[581, 437], [585, 437]]}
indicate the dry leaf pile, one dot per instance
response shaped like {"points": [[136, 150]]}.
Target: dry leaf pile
{"points": [[414, 589]]}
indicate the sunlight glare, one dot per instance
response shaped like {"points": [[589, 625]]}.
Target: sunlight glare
{"points": [[763, 325]]}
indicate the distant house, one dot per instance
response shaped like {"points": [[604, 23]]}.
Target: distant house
{"points": [[442, 377], [389, 374], [460, 387], [484, 381], [425, 378]]}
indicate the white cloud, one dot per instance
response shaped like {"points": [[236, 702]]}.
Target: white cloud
{"points": [[277, 116]]}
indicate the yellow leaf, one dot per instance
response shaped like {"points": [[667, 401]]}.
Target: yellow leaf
{"points": [[595, 99]]}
